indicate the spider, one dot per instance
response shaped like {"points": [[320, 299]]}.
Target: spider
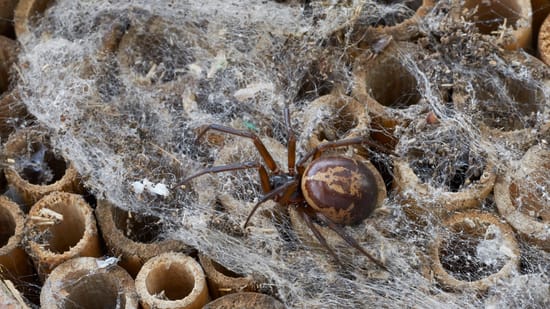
{"points": [[334, 190]]}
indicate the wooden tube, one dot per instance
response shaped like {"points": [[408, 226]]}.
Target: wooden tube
{"points": [[60, 226], [332, 117], [521, 196], [478, 251], [87, 282], [26, 15], [13, 113], [133, 237], [490, 16], [222, 281], [34, 169], [6, 17], [8, 55], [424, 200], [172, 280], [372, 79], [245, 300], [544, 41], [14, 262], [407, 28]]}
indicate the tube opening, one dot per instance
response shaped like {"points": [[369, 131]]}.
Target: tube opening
{"points": [[522, 103], [530, 198], [138, 228], [403, 11], [38, 165], [489, 16], [391, 84], [3, 182], [150, 49], [172, 282], [471, 251], [67, 233], [36, 11], [92, 291], [7, 226], [340, 117], [444, 160]]}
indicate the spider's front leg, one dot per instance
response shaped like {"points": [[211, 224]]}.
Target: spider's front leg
{"points": [[266, 156]]}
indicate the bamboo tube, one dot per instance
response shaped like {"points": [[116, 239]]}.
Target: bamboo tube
{"points": [[87, 282], [14, 262], [332, 117], [544, 41], [373, 76], [423, 200], [541, 10], [479, 251], [27, 14], [172, 280], [13, 113], [407, 28], [35, 170], [245, 300], [521, 196], [222, 281], [60, 226], [506, 111], [6, 17], [132, 237], [3, 183], [490, 16], [8, 55], [373, 39]]}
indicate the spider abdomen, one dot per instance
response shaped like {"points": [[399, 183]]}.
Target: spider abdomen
{"points": [[343, 189]]}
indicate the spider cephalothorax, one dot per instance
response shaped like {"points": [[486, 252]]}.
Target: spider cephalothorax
{"points": [[334, 190]]}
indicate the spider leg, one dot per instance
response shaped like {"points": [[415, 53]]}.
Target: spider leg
{"points": [[319, 149], [347, 238], [231, 167], [291, 144], [257, 142], [309, 222], [287, 189]]}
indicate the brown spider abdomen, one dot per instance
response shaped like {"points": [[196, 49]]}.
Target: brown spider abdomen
{"points": [[343, 189]]}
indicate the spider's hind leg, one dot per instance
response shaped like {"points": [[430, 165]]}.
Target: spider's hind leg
{"points": [[309, 222], [348, 238]]}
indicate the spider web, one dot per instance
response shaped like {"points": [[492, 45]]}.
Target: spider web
{"points": [[128, 109]]}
